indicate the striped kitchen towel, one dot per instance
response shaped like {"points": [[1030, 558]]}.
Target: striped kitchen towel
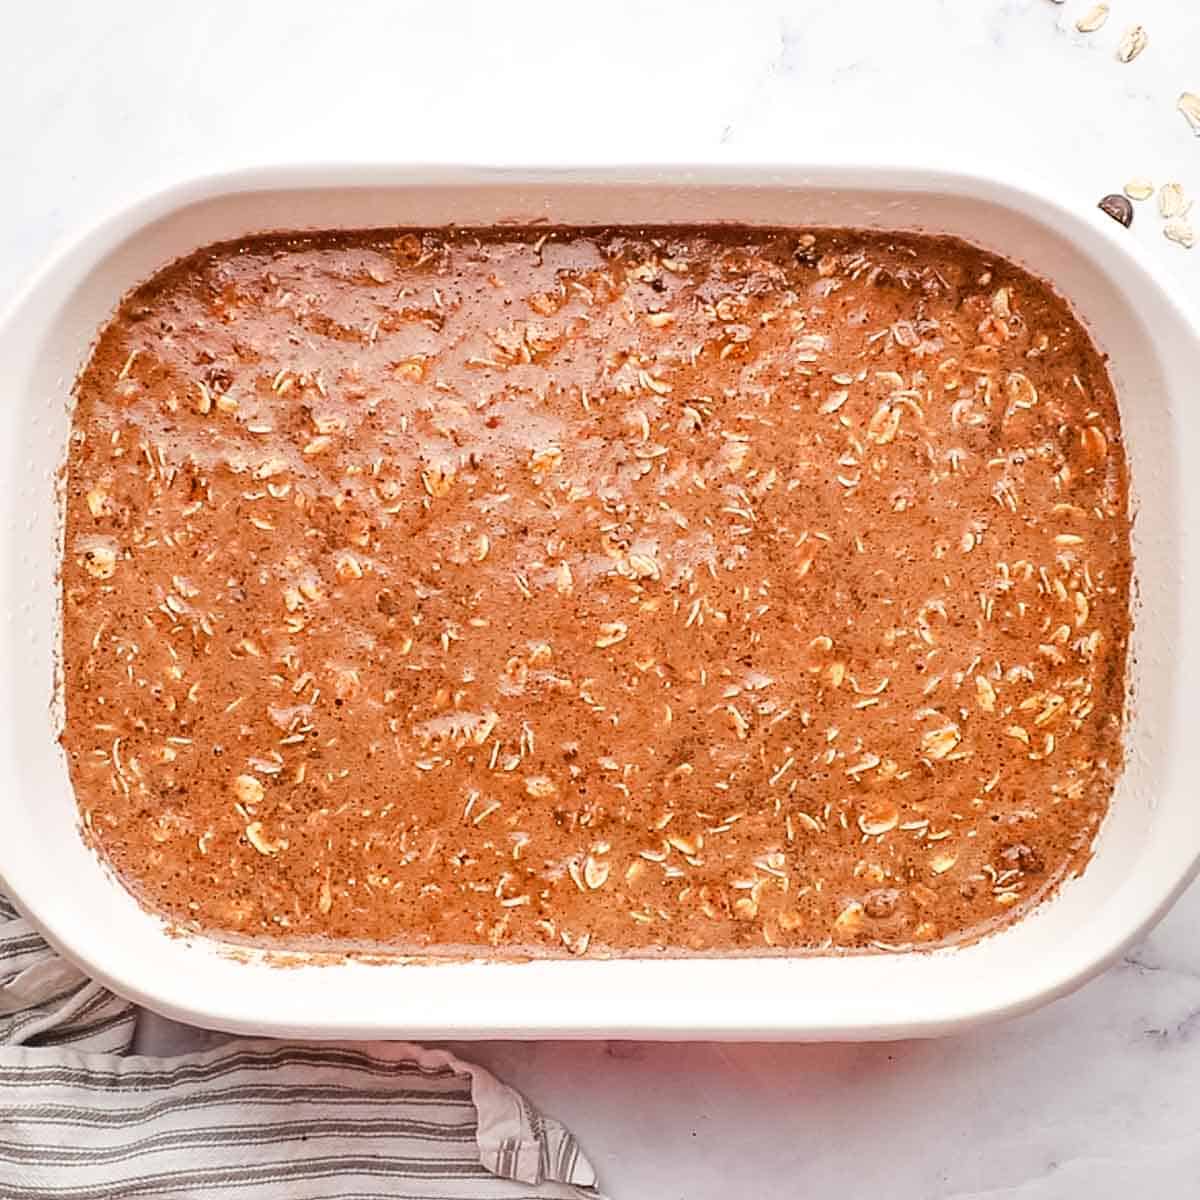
{"points": [[81, 1118]]}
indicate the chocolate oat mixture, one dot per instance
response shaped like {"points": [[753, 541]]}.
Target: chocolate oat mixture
{"points": [[595, 591]]}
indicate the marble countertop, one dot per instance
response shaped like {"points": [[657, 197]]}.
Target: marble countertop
{"points": [[1091, 1097]]}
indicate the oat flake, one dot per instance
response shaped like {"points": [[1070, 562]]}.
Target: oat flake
{"points": [[1171, 201], [1180, 231], [1189, 105], [1133, 42]]}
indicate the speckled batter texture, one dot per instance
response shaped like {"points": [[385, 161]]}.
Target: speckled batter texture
{"points": [[595, 591]]}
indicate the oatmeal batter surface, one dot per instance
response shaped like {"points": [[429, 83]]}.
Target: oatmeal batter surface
{"points": [[595, 591]]}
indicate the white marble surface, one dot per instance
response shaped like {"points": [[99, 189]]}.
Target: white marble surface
{"points": [[1092, 1097]]}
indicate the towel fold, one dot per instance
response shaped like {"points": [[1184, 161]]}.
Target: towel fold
{"points": [[81, 1118]]}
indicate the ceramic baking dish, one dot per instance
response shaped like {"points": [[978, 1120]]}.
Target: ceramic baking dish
{"points": [[1149, 845]]}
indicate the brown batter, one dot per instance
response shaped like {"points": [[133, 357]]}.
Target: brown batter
{"points": [[595, 590]]}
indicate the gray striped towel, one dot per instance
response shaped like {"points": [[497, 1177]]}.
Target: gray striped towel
{"points": [[81, 1118]]}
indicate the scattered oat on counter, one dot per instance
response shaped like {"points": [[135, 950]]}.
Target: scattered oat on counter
{"points": [[1173, 207], [1189, 105], [1180, 231], [1133, 42], [1093, 19], [1172, 202]]}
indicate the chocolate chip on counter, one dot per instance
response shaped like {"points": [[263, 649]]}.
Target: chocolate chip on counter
{"points": [[1119, 208]]}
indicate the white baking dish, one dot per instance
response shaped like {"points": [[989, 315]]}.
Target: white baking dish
{"points": [[1149, 846]]}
